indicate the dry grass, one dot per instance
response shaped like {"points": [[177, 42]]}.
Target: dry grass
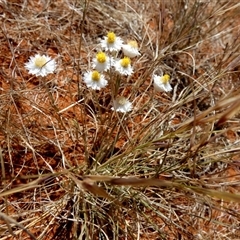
{"points": [[71, 168]]}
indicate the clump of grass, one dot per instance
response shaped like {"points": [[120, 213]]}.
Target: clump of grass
{"points": [[73, 168]]}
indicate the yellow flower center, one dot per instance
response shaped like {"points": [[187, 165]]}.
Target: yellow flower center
{"points": [[125, 62], [121, 100], [165, 78], [95, 76], [133, 44], [111, 37], [40, 61], [101, 57]]}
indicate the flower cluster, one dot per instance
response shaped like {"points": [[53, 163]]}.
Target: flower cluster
{"points": [[104, 61], [113, 44]]}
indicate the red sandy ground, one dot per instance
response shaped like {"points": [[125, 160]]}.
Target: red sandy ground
{"points": [[26, 105]]}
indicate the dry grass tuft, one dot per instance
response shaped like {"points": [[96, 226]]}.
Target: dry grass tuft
{"points": [[71, 168]]}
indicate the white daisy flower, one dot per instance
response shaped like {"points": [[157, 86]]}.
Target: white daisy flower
{"points": [[40, 65], [124, 66], [102, 62], [94, 80], [161, 83], [111, 42], [131, 49], [121, 104]]}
